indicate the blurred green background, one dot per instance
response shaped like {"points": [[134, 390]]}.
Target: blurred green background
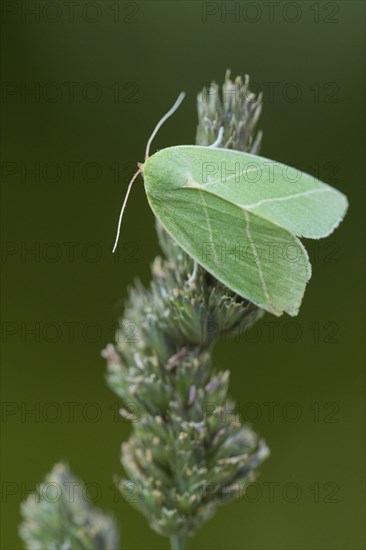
{"points": [[102, 74]]}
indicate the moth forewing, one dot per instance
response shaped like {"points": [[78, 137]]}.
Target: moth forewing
{"points": [[255, 258], [238, 215], [282, 194]]}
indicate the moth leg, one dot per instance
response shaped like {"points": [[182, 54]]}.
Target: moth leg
{"points": [[219, 138], [194, 273]]}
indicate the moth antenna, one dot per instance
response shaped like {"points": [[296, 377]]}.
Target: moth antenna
{"points": [[219, 138], [162, 120], [156, 129], [124, 206]]}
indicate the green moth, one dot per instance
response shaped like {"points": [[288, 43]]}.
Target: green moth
{"points": [[240, 217]]}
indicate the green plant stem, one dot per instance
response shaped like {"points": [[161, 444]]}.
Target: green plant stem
{"points": [[178, 542], [182, 444]]}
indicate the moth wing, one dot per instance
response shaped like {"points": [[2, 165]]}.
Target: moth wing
{"points": [[255, 258], [283, 195]]}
